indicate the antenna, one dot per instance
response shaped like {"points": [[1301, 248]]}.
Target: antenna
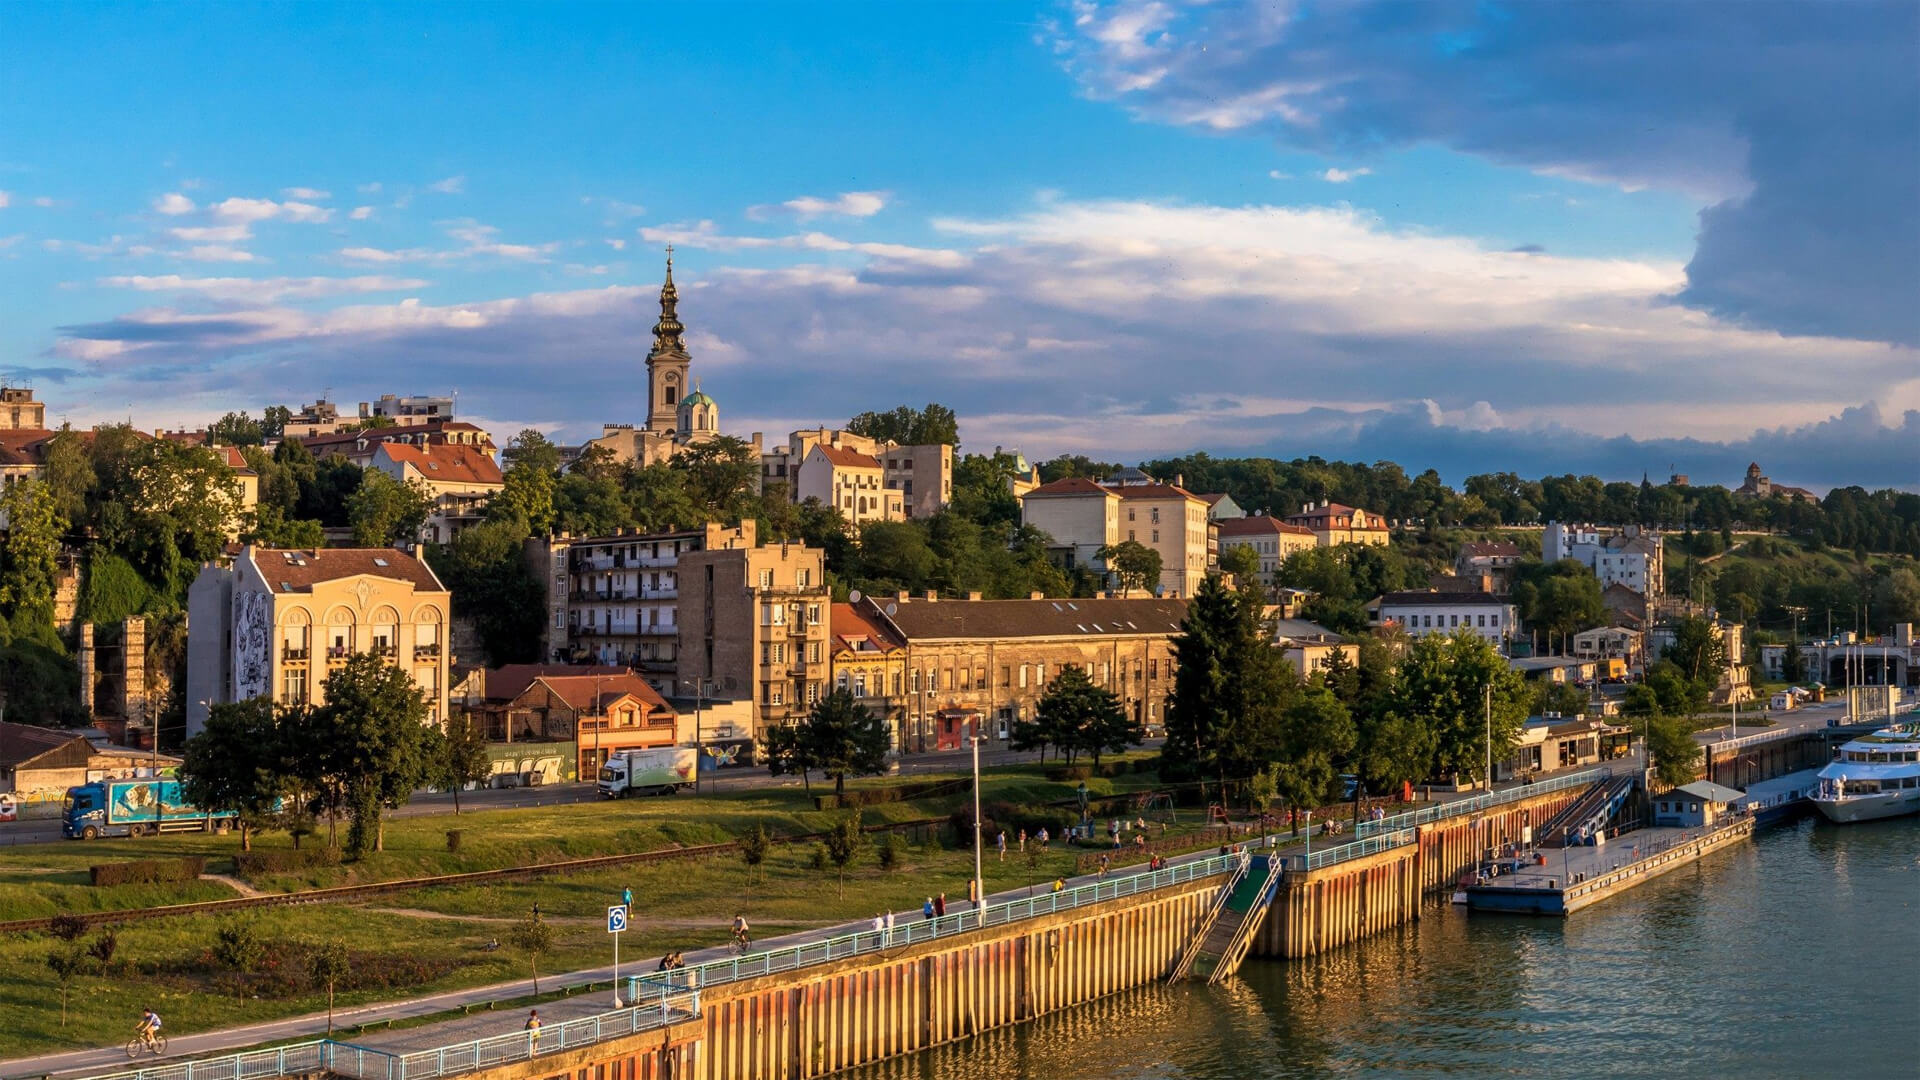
{"points": [[853, 596]]}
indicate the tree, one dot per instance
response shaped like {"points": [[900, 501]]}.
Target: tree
{"points": [[1318, 733], [1556, 698], [236, 945], [907, 426], [463, 758], [1443, 684], [1079, 717], [1242, 562], [535, 938], [1698, 650], [329, 963], [1231, 688], [843, 737], [1793, 666], [1136, 565], [102, 948], [1674, 751], [843, 842], [234, 763], [374, 738], [67, 962], [531, 479], [486, 570], [786, 750], [273, 423], [719, 475], [237, 429], [1561, 598], [383, 511], [753, 847], [30, 557]]}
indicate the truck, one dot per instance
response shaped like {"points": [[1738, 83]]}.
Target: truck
{"points": [[135, 808], [661, 771]]}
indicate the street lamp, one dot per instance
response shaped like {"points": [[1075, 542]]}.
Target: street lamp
{"points": [[1309, 855], [979, 884], [1083, 805]]}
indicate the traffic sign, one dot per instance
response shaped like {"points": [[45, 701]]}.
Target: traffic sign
{"points": [[616, 918]]}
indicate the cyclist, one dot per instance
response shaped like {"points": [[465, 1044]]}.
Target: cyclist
{"points": [[149, 1026], [740, 930]]}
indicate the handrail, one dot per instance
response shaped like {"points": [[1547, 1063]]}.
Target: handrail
{"points": [[1249, 920], [1441, 811], [1199, 936], [1358, 848]]}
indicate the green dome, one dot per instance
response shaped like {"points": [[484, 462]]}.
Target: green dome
{"points": [[698, 397]]}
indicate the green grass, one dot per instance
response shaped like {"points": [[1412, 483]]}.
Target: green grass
{"points": [[679, 904]]}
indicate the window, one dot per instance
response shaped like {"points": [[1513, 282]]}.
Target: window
{"points": [[860, 685], [1006, 676], [813, 652], [1040, 674], [813, 693], [779, 652], [1483, 620], [294, 687], [1023, 676], [1153, 668], [966, 678], [813, 614], [1129, 534], [766, 579], [1129, 513], [776, 693]]}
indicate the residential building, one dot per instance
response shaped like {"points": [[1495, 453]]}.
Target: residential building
{"points": [[408, 411], [850, 482], [236, 463], [320, 418], [615, 599], [870, 661], [601, 714], [1627, 607], [1081, 516], [1735, 681], [22, 454], [1310, 647], [45, 762], [1172, 521], [1333, 524], [923, 475], [1761, 487], [753, 621], [1220, 506], [1851, 660], [19, 411], [359, 445], [1494, 558], [1611, 643], [278, 622], [781, 464], [1633, 557], [459, 478], [1570, 670], [1422, 612], [1269, 537], [988, 662]]}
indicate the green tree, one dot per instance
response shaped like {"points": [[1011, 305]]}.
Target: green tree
{"points": [[273, 423], [234, 763], [1443, 685], [1563, 699], [844, 738], [531, 480], [328, 964], [1242, 562], [787, 752], [907, 426], [1231, 689], [463, 758], [1698, 650], [534, 937], [1675, 754], [486, 570], [375, 740], [67, 962], [237, 945], [1561, 599], [719, 477], [236, 429], [383, 511], [30, 557], [1134, 564], [1318, 734], [844, 841], [1078, 717], [753, 847]]}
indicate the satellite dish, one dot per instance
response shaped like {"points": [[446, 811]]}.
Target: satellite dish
{"points": [[853, 596], [893, 609]]}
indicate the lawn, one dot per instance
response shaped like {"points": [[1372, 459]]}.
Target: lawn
{"points": [[430, 940]]}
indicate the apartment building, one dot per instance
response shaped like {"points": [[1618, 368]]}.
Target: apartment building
{"points": [[615, 599], [600, 712], [1172, 521], [1269, 537], [459, 478], [869, 661], [988, 662], [278, 622], [410, 410], [754, 620], [1632, 557], [1423, 611], [1080, 515], [849, 481], [923, 475], [359, 446], [1333, 524], [19, 411]]}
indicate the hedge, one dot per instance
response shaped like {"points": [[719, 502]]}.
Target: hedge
{"points": [[148, 871], [892, 793], [285, 860], [1085, 770]]}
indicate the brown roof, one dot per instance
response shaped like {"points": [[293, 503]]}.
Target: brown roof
{"points": [[1037, 618], [1490, 548], [24, 742], [579, 692], [511, 680], [1422, 596], [1260, 525], [1213, 498], [1152, 491], [235, 460], [446, 462], [1069, 485], [24, 446], [289, 570], [840, 455], [852, 631]]}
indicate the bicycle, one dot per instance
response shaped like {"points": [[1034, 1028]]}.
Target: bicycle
{"points": [[157, 1043], [740, 945]]}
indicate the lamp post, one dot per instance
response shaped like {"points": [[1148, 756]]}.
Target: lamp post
{"points": [[1083, 805], [1489, 735], [1309, 856], [979, 884], [699, 741]]}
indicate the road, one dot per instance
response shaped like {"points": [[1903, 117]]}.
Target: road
{"points": [[47, 830]]}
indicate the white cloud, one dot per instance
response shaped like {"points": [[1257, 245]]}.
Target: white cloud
{"points": [[173, 204], [219, 253], [452, 185], [1341, 176], [251, 210], [6, 199], [369, 188], [306, 193], [9, 241], [44, 201], [361, 213], [704, 234], [617, 244], [262, 290], [477, 241], [1276, 174], [214, 234], [858, 204]]}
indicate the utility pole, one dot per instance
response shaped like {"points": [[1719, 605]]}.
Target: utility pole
{"points": [[979, 882], [1489, 735]]}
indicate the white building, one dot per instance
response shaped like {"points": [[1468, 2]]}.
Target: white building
{"points": [[1081, 516], [1269, 537], [1422, 612], [1633, 557]]}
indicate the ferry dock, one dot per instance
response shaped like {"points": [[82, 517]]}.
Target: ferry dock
{"points": [[1564, 881]]}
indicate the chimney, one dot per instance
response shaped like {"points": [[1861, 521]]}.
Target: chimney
{"points": [[902, 596], [1179, 479], [932, 595], [1036, 595], [973, 595]]}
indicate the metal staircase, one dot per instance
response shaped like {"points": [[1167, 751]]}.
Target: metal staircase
{"points": [[1588, 814], [1221, 941], [1207, 921]]}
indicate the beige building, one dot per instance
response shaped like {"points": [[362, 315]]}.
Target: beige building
{"points": [[459, 478], [781, 464], [923, 475], [755, 621], [1081, 516], [1310, 647], [870, 662], [989, 661], [1333, 524], [1172, 521], [19, 411], [850, 482], [278, 622], [1270, 538]]}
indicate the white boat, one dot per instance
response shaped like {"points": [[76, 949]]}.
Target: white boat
{"points": [[1874, 776]]}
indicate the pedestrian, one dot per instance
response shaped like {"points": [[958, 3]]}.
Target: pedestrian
{"points": [[1059, 884], [940, 905], [1103, 866], [926, 909], [1140, 841], [533, 1031], [1045, 839], [878, 924], [1001, 843], [1023, 841], [887, 928]]}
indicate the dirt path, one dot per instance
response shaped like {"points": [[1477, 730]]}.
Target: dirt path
{"points": [[233, 883], [677, 924]]}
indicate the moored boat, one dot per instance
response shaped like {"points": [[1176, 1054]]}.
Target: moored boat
{"points": [[1874, 776]]}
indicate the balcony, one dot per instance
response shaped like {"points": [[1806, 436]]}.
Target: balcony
{"points": [[290, 654], [427, 652], [337, 654], [386, 652]]}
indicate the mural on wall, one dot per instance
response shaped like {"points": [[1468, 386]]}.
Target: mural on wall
{"points": [[252, 636], [531, 763]]}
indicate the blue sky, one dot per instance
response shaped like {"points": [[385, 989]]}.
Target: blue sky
{"points": [[1477, 236]]}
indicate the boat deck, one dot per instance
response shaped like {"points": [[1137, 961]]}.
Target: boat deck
{"points": [[1573, 878]]}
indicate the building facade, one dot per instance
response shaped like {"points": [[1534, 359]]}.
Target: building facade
{"points": [[754, 621], [1172, 521], [1423, 612], [1632, 557], [849, 481], [410, 410], [459, 478], [1270, 538], [1081, 516], [360, 445], [1333, 524], [20, 411], [278, 622], [923, 475], [870, 662]]}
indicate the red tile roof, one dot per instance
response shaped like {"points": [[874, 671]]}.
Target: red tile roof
{"points": [[1069, 485], [511, 680], [579, 692], [235, 460], [1260, 525], [289, 570], [446, 463], [840, 455], [849, 627]]}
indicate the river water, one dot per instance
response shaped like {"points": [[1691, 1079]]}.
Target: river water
{"points": [[1797, 955]]}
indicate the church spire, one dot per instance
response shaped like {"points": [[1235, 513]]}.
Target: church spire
{"points": [[666, 332]]}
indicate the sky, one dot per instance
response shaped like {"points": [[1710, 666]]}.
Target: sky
{"points": [[1478, 236]]}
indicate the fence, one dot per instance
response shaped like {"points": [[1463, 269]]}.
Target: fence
{"points": [[290, 1060], [1442, 811], [1358, 848]]}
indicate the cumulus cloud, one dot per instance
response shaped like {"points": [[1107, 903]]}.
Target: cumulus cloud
{"points": [[1342, 176], [1796, 126], [306, 193], [45, 201], [452, 185], [6, 199], [261, 290], [251, 210], [477, 241], [855, 204], [361, 213], [173, 204]]}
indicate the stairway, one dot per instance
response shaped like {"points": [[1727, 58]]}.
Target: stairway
{"points": [[1192, 951], [1588, 814], [1221, 942]]}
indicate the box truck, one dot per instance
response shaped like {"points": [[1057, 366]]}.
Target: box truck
{"points": [[661, 771], [135, 808]]}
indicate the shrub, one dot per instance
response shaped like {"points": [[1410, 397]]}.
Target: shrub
{"points": [[890, 851], [453, 839], [103, 947], [892, 793], [820, 856], [282, 860], [67, 927], [237, 946], [147, 872]]}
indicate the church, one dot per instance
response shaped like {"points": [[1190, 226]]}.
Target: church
{"points": [[676, 416]]}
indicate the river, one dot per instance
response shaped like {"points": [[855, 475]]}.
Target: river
{"points": [[1797, 955]]}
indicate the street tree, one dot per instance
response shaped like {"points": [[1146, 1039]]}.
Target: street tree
{"points": [[376, 739], [1242, 562], [463, 758], [67, 961], [1698, 650], [234, 763], [1443, 685], [534, 937], [1318, 734], [1676, 755], [328, 964], [383, 511], [29, 558], [753, 847], [788, 752], [1078, 717], [1134, 564], [843, 843], [845, 738], [908, 426]]}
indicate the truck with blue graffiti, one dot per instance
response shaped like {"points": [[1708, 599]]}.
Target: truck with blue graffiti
{"points": [[135, 808]]}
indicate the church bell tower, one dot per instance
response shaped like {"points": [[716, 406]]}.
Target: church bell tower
{"points": [[667, 361]]}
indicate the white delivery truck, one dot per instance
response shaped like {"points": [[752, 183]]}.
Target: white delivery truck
{"points": [[648, 772]]}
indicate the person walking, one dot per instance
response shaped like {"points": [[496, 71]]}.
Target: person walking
{"points": [[533, 1031], [1103, 866], [1000, 842], [940, 904], [926, 909], [1023, 841], [886, 928], [1046, 839], [879, 924]]}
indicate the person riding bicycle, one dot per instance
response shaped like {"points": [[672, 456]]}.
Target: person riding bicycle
{"points": [[740, 930], [149, 1026]]}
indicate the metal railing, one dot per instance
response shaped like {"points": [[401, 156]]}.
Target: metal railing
{"points": [[1442, 811], [290, 1060], [1343, 852]]}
